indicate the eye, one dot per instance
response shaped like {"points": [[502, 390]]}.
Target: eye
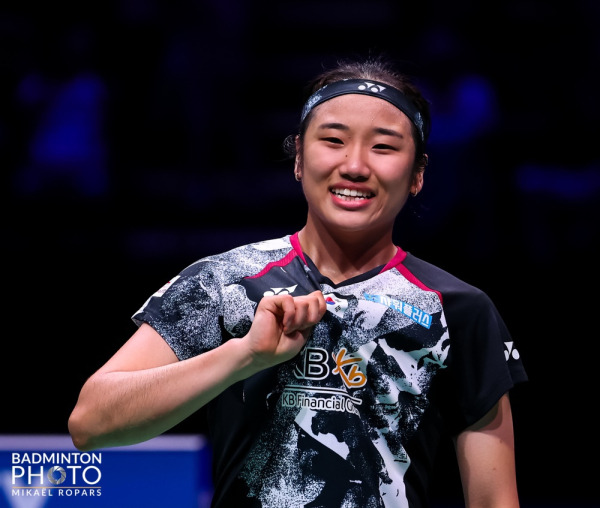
{"points": [[383, 146], [333, 140]]}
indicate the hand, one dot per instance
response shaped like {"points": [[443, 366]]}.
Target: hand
{"points": [[281, 326]]}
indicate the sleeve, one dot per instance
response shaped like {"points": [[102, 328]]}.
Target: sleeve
{"points": [[483, 361], [187, 311]]}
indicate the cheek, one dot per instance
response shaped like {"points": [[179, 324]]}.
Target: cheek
{"points": [[318, 164], [396, 174]]}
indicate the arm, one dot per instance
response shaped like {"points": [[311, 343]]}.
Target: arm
{"points": [[143, 390], [486, 460]]}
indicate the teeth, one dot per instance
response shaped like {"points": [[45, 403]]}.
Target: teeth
{"points": [[351, 193]]}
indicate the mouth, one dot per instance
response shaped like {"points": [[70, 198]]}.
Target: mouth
{"points": [[351, 194]]}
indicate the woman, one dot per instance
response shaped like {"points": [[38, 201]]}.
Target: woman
{"points": [[331, 362]]}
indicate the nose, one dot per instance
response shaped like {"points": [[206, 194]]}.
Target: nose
{"points": [[355, 166]]}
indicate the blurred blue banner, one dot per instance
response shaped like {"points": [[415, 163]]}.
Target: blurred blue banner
{"points": [[46, 471]]}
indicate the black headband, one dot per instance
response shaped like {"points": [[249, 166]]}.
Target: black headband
{"points": [[374, 89]]}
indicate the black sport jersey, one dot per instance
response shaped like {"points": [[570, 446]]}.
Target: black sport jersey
{"points": [[406, 354]]}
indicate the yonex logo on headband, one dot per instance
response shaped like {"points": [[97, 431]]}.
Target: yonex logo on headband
{"points": [[373, 88]]}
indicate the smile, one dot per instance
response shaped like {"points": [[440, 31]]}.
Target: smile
{"points": [[351, 194]]}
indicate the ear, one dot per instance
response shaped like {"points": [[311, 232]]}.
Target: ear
{"points": [[417, 183], [298, 158]]}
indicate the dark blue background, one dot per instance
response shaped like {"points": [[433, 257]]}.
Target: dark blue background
{"points": [[136, 137]]}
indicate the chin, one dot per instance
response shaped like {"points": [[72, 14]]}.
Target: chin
{"points": [[353, 227]]}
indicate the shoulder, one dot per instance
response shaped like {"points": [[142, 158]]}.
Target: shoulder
{"points": [[240, 261], [466, 307], [461, 300], [439, 280], [205, 279]]}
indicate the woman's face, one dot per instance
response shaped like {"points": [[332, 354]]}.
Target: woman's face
{"points": [[357, 164]]}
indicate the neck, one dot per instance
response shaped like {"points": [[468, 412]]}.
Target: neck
{"points": [[344, 255]]}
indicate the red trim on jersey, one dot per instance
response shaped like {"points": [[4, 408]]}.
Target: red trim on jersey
{"points": [[397, 263], [396, 260], [295, 241], [285, 260]]}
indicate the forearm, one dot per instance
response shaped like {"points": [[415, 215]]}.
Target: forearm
{"points": [[143, 390], [117, 408], [486, 460]]}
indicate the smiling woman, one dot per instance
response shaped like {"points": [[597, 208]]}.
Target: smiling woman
{"points": [[343, 157], [332, 362]]}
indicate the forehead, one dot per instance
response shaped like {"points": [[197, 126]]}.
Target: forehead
{"points": [[362, 109]]}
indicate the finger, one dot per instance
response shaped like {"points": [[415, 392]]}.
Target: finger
{"points": [[308, 310], [287, 305], [319, 307]]}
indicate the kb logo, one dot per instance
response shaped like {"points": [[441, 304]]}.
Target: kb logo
{"points": [[313, 365]]}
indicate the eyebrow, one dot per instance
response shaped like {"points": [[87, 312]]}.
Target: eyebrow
{"points": [[334, 125], [378, 130]]}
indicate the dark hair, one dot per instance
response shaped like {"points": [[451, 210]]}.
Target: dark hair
{"points": [[376, 69]]}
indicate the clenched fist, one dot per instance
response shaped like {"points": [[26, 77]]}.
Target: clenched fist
{"points": [[281, 326]]}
